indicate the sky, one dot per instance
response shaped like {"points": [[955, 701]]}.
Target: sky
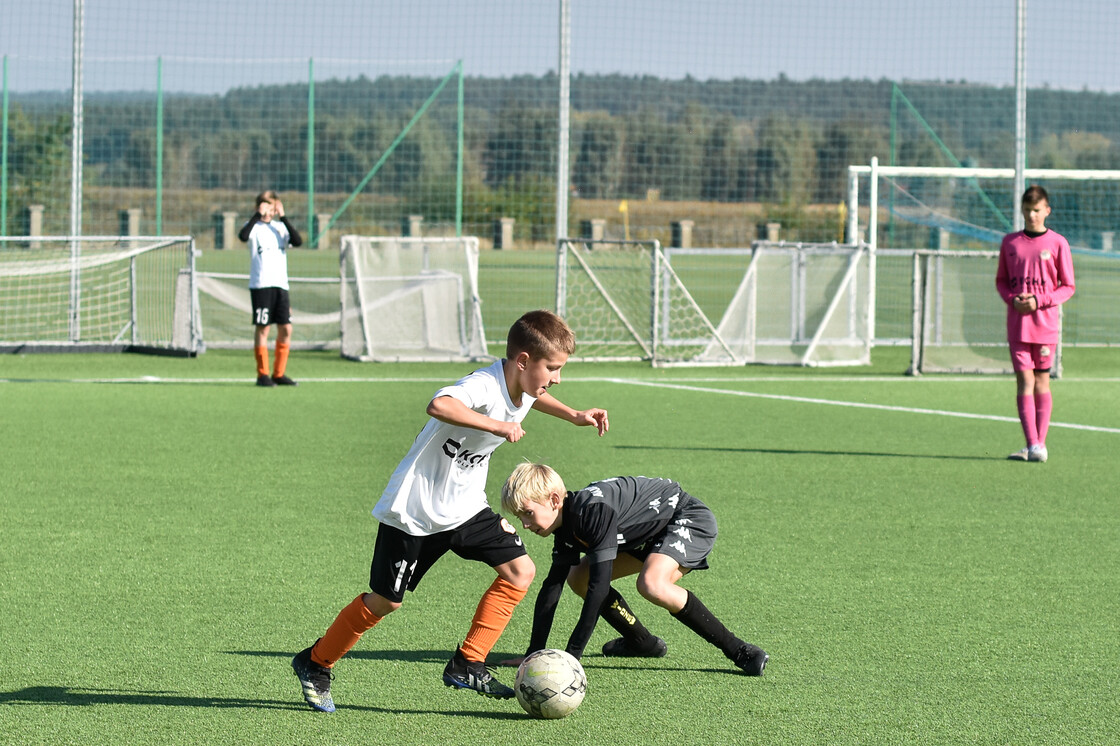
{"points": [[210, 46]]}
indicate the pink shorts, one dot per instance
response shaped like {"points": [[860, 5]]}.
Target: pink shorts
{"points": [[1031, 356]]}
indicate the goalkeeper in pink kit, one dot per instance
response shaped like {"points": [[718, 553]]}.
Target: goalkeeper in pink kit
{"points": [[1034, 278]]}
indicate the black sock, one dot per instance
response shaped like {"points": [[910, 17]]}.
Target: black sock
{"points": [[617, 613], [697, 618]]}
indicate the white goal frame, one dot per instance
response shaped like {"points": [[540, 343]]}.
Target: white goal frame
{"points": [[626, 301], [926, 299], [410, 299], [99, 294]]}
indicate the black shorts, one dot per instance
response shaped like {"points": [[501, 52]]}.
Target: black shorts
{"points": [[689, 537], [400, 560], [270, 306]]}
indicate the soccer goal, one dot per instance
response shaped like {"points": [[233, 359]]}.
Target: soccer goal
{"points": [[411, 299], [794, 304], [936, 234], [225, 311], [98, 293]]}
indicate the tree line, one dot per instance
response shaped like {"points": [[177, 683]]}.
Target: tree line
{"points": [[781, 141]]}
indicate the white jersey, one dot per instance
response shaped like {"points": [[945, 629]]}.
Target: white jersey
{"points": [[441, 483], [268, 246]]}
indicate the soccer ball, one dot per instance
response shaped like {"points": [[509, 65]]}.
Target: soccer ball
{"points": [[550, 684]]}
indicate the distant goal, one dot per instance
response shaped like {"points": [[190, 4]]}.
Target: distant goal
{"points": [[774, 303], [98, 293], [411, 299]]}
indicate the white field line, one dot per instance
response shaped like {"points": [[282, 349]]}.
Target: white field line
{"points": [[857, 405], [662, 383]]}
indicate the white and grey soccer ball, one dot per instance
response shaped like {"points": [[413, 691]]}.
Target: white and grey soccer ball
{"points": [[550, 684]]}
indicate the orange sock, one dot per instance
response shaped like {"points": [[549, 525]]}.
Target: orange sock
{"points": [[344, 633], [261, 354], [491, 618], [281, 359]]}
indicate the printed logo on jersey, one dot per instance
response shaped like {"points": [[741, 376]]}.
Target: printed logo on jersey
{"points": [[1044, 351], [465, 458], [508, 527], [684, 533], [655, 504], [679, 546], [1045, 255]]}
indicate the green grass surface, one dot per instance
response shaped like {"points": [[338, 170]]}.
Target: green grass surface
{"points": [[173, 534]]}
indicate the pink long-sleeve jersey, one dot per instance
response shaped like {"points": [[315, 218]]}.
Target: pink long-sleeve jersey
{"points": [[1041, 266]]}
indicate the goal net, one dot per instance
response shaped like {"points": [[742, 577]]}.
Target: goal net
{"points": [[792, 304], [936, 234], [411, 299], [226, 311], [800, 304], [98, 293]]}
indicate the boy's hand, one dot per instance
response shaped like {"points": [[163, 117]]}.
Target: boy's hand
{"points": [[511, 431], [1025, 303], [596, 417], [278, 208]]}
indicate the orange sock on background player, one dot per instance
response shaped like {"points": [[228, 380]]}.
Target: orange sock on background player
{"points": [[261, 354], [348, 627], [281, 359], [490, 618]]}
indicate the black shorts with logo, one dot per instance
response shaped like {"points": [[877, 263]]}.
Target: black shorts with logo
{"points": [[270, 306], [400, 560]]}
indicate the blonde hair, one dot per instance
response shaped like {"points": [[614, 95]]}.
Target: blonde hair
{"points": [[531, 483], [267, 196]]}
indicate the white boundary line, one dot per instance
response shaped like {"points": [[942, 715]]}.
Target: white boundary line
{"points": [[664, 383], [857, 405]]}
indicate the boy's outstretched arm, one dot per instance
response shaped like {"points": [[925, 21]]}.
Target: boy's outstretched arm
{"points": [[549, 404], [544, 610], [454, 412]]}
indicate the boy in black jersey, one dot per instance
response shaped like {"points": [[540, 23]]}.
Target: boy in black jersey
{"points": [[624, 525]]}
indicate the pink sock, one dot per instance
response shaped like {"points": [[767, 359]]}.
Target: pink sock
{"points": [[1027, 418], [1043, 404]]}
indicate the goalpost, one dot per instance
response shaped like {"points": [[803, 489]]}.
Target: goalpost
{"points": [[792, 304], [935, 233], [410, 299], [98, 293]]}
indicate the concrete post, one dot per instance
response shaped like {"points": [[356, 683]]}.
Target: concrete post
{"points": [[225, 230], [772, 232], [503, 233], [1106, 240], [130, 221], [410, 226], [35, 224], [592, 229], [322, 220], [943, 238], [681, 234]]}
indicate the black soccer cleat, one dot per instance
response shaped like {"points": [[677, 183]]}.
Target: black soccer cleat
{"points": [[315, 680], [620, 647], [464, 674], [283, 381], [265, 380], [751, 658]]}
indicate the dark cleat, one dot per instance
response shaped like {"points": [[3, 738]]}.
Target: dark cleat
{"points": [[316, 681], [751, 659], [620, 647], [465, 674]]}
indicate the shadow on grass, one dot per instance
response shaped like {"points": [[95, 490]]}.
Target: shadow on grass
{"points": [[805, 452], [589, 661], [83, 697]]}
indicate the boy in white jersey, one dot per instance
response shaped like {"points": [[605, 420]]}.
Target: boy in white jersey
{"points": [[436, 502], [1034, 277], [269, 235], [621, 526]]}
